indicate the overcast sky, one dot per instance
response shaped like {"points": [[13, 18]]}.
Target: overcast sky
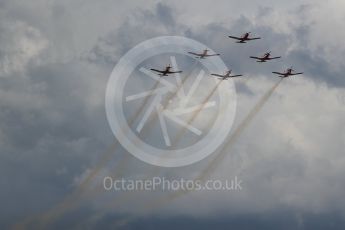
{"points": [[55, 61]]}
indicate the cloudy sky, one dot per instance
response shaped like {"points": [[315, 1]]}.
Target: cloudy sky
{"points": [[55, 61]]}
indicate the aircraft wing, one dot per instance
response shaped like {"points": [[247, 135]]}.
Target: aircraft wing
{"points": [[278, 73], [194, 53], [274, 58], [253, 38], [209, 55], [156, 70], [237, 75], [257, 58], [175, 72], [237, 38], [217, 75], [296, 74]]}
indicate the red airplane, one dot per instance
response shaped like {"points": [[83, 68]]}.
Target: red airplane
{"points": [[166, 72], [244, 38], [264, 58], [226, 76], [203, 54], [287, 73]]}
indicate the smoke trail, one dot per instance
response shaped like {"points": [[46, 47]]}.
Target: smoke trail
{"points": [[71, 203], [149, 124], [143, 105], [238, 131], [72, 200], [195, 114], [222, 153], [166, 104], [177, 194], [106, 155]]}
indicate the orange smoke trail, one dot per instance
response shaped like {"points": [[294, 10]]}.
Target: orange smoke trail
{"points": [[147, 130], [219, 158], [165, 104], [231, 140], [71, 201], [195, 114]]}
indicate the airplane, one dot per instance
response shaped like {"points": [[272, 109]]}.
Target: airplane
{"points": [[203, 54], [244, 38], [226, 76], [165, 72], [287, 73], [265, 57]]}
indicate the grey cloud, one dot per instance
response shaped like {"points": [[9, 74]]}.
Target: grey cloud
{"points": [[137, 28]]}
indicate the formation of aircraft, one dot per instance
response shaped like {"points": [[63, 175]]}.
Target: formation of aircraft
{"points": [[264, 58], [166, 71], [242, 39], [204, 54], [226, 76], [288, 73]]}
